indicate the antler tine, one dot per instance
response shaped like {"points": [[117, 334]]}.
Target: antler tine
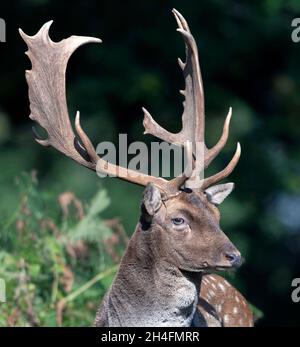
{"points": [[153, 128], [88, 146], [225, 172], [214, 151], [182, 23]]}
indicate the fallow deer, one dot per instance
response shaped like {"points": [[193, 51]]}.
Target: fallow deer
{"points": [[164, 278]]}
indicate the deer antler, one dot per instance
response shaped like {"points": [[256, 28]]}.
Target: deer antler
{"points": [[193, 117], [48, 106], [192, 122]]}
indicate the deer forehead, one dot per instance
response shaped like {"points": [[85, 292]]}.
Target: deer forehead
{"points": [[194, 203]]}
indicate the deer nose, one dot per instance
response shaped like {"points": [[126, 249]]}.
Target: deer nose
{"points": [[234, 258]]}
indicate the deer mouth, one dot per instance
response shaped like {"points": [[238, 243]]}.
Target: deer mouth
{"points": [[230, 267], [221, 267]]}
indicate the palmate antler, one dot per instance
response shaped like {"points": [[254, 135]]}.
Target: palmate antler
{"points": [[48, 106]]}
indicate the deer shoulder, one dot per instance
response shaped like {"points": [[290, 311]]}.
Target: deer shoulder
{"points": [[220, 304]]}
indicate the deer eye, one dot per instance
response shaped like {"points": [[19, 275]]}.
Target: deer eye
{"points": [[178, 221]]}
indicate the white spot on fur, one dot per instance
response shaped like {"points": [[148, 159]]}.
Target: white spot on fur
{"points": [[235, 310], [207, 297], [226, 318], [221, 287], [211, 292], [237, 299], [213, 286]]}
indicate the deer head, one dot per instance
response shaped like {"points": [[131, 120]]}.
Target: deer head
{"points": [[184, 222], [185, 228]]}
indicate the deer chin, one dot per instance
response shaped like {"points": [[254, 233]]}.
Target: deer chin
{"points": [[224, 267], [205, 267]]}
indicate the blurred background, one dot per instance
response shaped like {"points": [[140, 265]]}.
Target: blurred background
{"points": [[63, 229]]}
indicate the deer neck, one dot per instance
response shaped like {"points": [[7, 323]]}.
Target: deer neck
{"points": [[149, 290]]}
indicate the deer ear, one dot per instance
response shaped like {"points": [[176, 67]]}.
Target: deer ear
{"points": [[151, 199], [216, 194]]}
